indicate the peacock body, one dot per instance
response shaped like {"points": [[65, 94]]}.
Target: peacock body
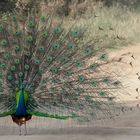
{"points": [[44, 71]]}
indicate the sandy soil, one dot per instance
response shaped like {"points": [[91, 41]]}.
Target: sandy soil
{"points": [[125, 127]]}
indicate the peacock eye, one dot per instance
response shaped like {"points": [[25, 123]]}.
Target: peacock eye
{"points": [[74, 33], [79, 64], [63, 60], [17, 33], [52, 90], [13, 68], [93, 66], [27, 54], [49, 59], [4, 42], [10, 77], [79, 90], [103, 57], [87, 51], [26, 67], [2, 65], [116, 83], [29, 38], [14, 18], [54, 70], [37, 61], [41, 49], [68, 73], [102, 93], [106, 80], [57, 30], [7, 56], [1, 27], [40, 71], [56, 46], [93, 83], [70, 46], [43, 81], [20, 74], [43, 18], [31, 24], [17, 61], [81, 78], [62, 92], [16, 82], [17, 49], [45, 34]]}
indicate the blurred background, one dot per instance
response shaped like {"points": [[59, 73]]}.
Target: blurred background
{"points": [[111, 23]]}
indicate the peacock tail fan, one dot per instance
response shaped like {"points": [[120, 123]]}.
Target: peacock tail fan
{"points": [[62, 73]]}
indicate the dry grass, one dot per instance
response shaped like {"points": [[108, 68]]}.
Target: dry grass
{"points": [[110, 27]]}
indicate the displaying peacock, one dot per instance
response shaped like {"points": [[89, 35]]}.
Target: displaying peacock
{"points": [[48, 71]]}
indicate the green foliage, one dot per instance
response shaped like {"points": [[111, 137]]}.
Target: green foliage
{"points": [[7, 5]]}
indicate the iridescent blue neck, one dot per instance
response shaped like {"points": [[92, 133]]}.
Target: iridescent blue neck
{"points": [[21, 107]]}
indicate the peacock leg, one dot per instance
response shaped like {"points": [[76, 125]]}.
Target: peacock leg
{"points": [[19, 129], [25, 129]]}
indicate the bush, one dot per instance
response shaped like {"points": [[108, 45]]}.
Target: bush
{"points": [[7, 5]]}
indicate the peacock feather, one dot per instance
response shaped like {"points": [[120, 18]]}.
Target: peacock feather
{"points": [[44, 71]]}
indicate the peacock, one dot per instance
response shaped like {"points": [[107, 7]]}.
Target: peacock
{"points": [[47, 70]]}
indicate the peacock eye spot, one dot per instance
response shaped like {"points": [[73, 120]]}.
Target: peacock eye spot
{"points": [[17, 49], [106, 80], [75, 33], [93, 66], [102, 93], [88, 51], [16, 82], [41, 49], [14, 18], [93, 83], [56, 46], [81, 78], [41, 71], [103, 57], [20, 74], [29, 38], [45, 34], [43, 81], [70, 46], [9, 77], [49, 59], [27, 54], [37, 61], [54, 70], [3, 66], [68, 73], [116, 83], [63, 60], [31, 24], [17, 33], [79, 64], [57, 30], [3, 42], [13, 68], [17, 61], [26, 67], [43, 18]]}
